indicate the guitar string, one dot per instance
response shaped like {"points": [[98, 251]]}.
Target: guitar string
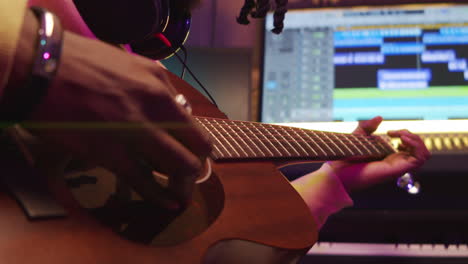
{"points": [[275, 141], [346, 142], [274, 127], [377, 152], [348, 137], [345, 138]]}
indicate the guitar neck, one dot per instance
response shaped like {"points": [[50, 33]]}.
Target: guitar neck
{"points": [[250, 140]]}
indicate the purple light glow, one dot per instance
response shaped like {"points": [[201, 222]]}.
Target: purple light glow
{"points": [[46, 55]]}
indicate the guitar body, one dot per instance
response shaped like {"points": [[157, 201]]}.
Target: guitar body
{"points": [[242, 200]]}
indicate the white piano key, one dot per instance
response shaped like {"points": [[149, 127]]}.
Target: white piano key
{"points": [[439, 248], [427, 247], [400, 250]]}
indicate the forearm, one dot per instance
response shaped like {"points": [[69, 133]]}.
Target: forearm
{"points": [[323, 193], [25, 51], [12, 13]]}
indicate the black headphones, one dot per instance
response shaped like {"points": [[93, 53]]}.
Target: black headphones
{"points": [[154, 28]]}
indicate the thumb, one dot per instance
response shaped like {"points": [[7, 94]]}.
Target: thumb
{"points": [[367, 127]]}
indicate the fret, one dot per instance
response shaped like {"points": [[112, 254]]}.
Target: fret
{"points": [[289, 141], [333, 143], [359, 139], [354, 144], [236, 129], [318, 133], [287, 146], [368, 141], [261, 141], [219, 138], [270, 140], [314, 141], [215, 146], [384, 146], [339, 141], [301, 142], [241, 152], [243, 139], [375, 144], [304, 141]]}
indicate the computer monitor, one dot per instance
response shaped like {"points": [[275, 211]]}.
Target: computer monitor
{"points": [[403, 62]]}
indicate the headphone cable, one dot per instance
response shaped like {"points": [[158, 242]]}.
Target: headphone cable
{"points": [[194, 77], [168, 44], [182, 74]]}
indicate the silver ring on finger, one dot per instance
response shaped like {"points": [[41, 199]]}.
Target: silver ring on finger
{"points": [[181, 100]]}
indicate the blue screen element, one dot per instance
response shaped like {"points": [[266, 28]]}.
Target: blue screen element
{"points": [[444, 39], [402, 48]]}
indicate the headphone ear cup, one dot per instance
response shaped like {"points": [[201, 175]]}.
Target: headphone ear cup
{"points": [[176, 33], [122, 21]]}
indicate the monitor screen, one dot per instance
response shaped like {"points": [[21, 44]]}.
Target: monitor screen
{"points": [[406, 62]]}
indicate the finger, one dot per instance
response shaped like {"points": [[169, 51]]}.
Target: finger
{"points": [[411, 143], [168, 156], [399, 133], [367, 127], [416, 147], [415, 139], [160, 106], [159, 72], [164, 113]]}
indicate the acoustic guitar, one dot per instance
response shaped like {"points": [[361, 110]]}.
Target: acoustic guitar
{"points": [[245, 198]]}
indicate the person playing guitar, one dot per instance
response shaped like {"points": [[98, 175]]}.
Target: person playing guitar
{"points": [[93, 84]]}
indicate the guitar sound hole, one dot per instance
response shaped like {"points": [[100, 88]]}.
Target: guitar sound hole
{"points": [[118, 208]]}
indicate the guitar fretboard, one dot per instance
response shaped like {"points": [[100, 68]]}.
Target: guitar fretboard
{"points": [[250, 140]]}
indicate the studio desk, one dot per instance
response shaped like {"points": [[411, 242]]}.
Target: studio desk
{"points": [[389, 225]]}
